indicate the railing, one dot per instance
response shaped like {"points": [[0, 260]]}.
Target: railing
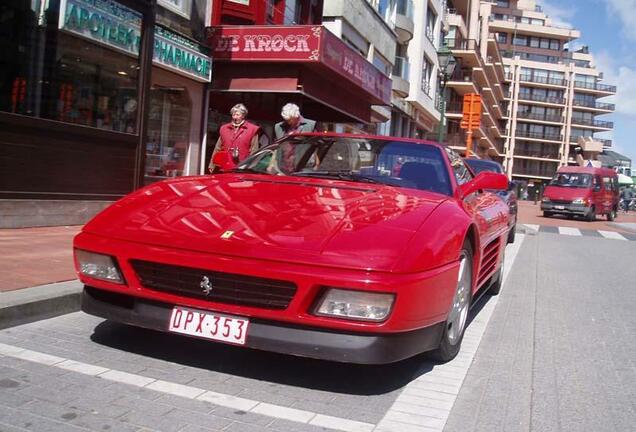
{"points": [[537, 135], [594, 104], [595, 86], [535, 172], [562, 58], [514, 20], [455, 107], [605, 142], [542, 80], [405, 7], [542, 117], [592, 122], [458, 43], [401, 68], [430, 34], [537, 154], [539, 98]]}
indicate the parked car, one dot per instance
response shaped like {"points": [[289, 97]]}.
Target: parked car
{"points": [[582, 191], [350, 248], [508, 195]]}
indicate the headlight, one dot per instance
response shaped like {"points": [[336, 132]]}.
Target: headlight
{"points": [[355, 305], [545, 199], [580, 201], [98, 266]]}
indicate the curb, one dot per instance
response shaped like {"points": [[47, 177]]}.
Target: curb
{"points": [[41, 302]]}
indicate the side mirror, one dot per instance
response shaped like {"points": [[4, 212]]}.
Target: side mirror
{"points": [[223, 161], [484, 180], [511, 186]]}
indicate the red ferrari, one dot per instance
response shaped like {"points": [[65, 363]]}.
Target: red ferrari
{"points": [[352, 248]]}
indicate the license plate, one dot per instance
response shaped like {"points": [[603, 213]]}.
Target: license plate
{"points": [[559, 207], [208, 325]]}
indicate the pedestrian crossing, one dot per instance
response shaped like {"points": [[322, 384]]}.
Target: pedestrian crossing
{"points": [[577, 232]]}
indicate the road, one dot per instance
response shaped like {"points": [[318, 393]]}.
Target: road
{"points": [[555, 351]]}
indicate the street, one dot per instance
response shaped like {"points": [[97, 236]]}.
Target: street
{"points": [[556, 355]]}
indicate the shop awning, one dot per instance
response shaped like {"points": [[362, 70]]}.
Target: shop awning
{"points": [[307, 64]]}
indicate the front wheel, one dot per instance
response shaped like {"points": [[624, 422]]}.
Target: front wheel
{"points": [[591, 216], [458, 315], [547, 214], [611, 216]]}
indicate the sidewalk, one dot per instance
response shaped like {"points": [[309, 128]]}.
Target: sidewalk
{"points": [[37, 276]]}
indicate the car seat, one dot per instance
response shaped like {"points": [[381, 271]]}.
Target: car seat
{"points": [[424, 176]]}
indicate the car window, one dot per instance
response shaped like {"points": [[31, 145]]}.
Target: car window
{"points": [[391, 162], [575, 180], [461, 172]]}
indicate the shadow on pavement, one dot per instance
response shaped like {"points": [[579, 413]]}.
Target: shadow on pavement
{"points": [[261, 365]]}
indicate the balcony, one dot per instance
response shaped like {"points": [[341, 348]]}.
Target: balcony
{"points": [[537, 155], [545, 173], [542, 80], [597, 87], [605, 142], [400, 76], [540, 117], [541, 98], [462, 82], [465, 49], [404, 25], [600, 124], [537, 135], [600, 106]]}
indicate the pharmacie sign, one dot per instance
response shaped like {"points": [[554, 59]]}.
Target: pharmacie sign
{"points": [[116, 26], [182, 55]]}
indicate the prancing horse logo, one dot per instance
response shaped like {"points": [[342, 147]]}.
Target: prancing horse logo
{"points": [[206, 285]]}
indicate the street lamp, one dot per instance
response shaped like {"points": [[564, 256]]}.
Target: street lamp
{"points": [[446, 68]]}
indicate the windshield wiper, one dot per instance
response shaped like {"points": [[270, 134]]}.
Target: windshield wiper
{"points": [[340, 175]]}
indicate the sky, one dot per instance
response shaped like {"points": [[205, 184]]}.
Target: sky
{"points": [[608, 27]]}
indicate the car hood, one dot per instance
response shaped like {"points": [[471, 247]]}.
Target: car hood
{"points": [[557, 193], [315, 221]]}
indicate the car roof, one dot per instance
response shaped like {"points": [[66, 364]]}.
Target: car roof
{"points": [[366, 136], [587, 170], [484, 163]]}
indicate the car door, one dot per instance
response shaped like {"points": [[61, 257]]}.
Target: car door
{"points": [[598, 197]]}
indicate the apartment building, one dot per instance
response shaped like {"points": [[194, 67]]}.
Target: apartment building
{"points": [[398, 37], [555, 94], [479, 70]]}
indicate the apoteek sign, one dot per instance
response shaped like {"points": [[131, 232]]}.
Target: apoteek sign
{"points": [[309, 44]]}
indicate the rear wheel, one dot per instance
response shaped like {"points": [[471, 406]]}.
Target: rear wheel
{"points": [[495, 286], [458, 315], [512, 233], [591, 216]]}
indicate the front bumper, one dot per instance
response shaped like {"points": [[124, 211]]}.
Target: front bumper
{"points": [[566, 208], [274, 336]]}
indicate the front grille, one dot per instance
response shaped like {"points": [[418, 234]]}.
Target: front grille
{"points": [[561, 202], [226, 287]]}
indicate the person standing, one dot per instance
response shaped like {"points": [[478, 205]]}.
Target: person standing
{"points": [[626, 196], [293, 121], [239, 138]]}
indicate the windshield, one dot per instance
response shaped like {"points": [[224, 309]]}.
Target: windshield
{"points": [[480, 166], [390, 162], [575, 180]]}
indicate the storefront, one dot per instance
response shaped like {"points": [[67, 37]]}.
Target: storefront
{"points": [[265, 67], [85, 117]]}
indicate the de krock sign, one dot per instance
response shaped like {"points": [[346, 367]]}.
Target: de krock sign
{"points": [[119, 27], [309, 44]]}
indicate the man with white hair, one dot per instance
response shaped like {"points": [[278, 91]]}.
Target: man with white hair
{"points": [[292, 122], [239, 138]]}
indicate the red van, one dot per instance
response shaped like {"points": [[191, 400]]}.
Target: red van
{"points": [[582, 191]]}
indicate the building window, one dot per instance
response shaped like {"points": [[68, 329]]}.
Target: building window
{"points": [[520, 40], [427, 71], [503, 3], [502, 38], [72, 74], [431, 20]]}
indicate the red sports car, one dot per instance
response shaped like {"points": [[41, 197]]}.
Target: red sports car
{"points": [[352, 248]]}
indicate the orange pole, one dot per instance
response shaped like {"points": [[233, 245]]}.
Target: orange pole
{"points": [[469, 142]]}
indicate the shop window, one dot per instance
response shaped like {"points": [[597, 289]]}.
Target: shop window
{"points": [[169, 120], [78, 74]]}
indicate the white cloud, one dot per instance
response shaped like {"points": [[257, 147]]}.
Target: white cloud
{"points": [[560, 16], [624, 77], [625, 11]]}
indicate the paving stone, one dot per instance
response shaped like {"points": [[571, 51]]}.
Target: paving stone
{"points": [[242, 416], [198, 419]]}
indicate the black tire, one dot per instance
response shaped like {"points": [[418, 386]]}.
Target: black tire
{"points": [[591, 216], [611, 216], [512, 233], [497, 281], [547, 214], [451, 337]]}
